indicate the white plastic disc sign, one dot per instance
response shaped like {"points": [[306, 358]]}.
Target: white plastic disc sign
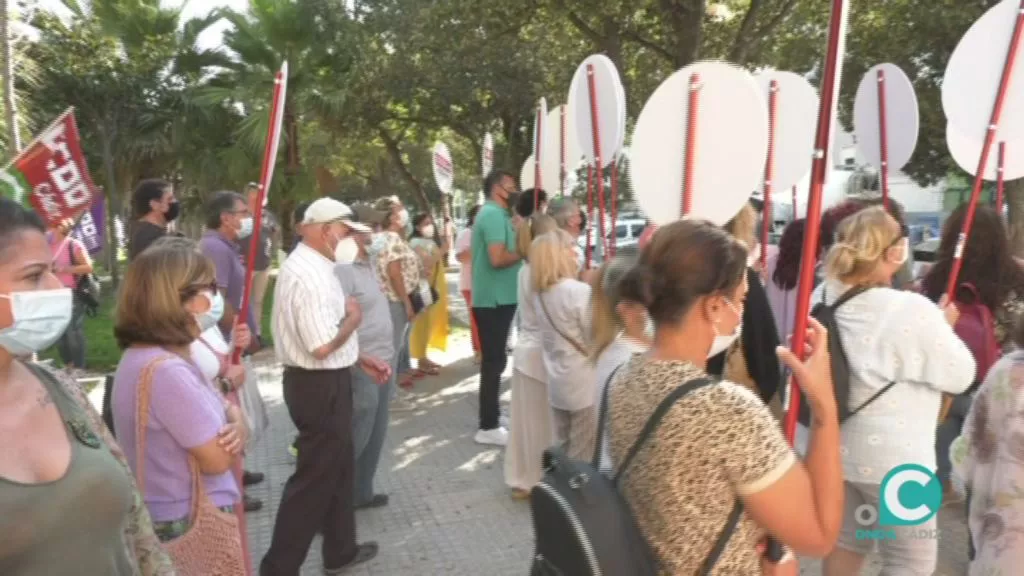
{"points": [[967, 153], [973, 74], [444, 173], [527, 174], [796, 118], [487, 155], [731, 143], [611, 107], [902, 120]]}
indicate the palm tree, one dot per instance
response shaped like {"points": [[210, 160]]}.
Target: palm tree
{"points": [[7, 76]]}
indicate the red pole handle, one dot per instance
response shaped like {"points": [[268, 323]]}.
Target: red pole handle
{"points": [[883, 138], [769, 170], [615, 207], [590, 214], [689, 160], [819, 170], [986, 149], [595, 135], [538, 138]]}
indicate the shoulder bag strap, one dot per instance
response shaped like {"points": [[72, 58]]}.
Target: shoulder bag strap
{"points": [[869, 401], [602, 417], [655, 419], [579, 347], [222, 359], [849, 295], [143, 393], [723, 539]]}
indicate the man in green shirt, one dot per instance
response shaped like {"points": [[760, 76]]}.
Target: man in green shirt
{"points": [[495, 287]]}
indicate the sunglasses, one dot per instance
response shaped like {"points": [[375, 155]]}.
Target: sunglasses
{"points": [[195, 289]]}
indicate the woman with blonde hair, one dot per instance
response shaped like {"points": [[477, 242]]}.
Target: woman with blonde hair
{"points": [[181, 436], [530, 423], [564, 318], [620, 329], [902, 354]]}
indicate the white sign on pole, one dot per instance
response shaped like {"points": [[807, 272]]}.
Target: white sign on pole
{"points": [[967, 152], [731, 144], [796, 118], [974, 72], [444, 172], [902, 120], [611, 107]]}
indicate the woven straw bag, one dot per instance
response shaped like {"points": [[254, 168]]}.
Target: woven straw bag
{"points": [[212, 546]]}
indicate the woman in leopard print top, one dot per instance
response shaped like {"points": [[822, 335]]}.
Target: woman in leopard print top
{"points": [[720, 443]]}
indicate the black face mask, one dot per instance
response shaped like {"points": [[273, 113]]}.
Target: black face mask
{"points": [[173, 210]]}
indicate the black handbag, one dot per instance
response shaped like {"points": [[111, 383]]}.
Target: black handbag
{"points": [[87, 287], [422, 297]]}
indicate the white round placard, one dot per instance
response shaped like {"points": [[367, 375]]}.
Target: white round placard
{"points": [[611, 107], [902, 118], [527, 174], [796, 119], [487, 155], [973, 74], [731, 144], [444, 172], [967, 152]]}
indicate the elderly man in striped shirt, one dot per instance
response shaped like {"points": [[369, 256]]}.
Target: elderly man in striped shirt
{"points": [[314, 327]]}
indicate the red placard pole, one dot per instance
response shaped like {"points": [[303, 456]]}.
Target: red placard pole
{"points": [[1001, 178], [691, 139], [590, 214], [986, 149], [883, 138], [819, 170], [269, 159], [595, 135], [538, 138], [769, 170], [561, 153], [615, 205]]}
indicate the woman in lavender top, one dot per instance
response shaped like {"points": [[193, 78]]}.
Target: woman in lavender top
{"points": [[167, 292]]}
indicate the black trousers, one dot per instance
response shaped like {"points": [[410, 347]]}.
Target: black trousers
{"points": [[319, 495], [493, 325]]}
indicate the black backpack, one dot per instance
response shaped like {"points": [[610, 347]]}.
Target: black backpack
{"points": [[826, 315], [582, 524]]}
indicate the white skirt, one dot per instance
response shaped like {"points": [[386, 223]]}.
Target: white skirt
{"points": [[531, 431]]}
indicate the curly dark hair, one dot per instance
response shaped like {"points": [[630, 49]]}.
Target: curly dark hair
{"points": [[988, 262], [791, 247]]}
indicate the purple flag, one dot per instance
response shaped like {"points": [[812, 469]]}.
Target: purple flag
{"points": [[89, 230]]}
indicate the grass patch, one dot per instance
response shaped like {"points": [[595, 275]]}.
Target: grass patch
{"points": [[101, 351]]}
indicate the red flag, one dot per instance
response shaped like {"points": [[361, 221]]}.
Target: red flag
{"points": [[51, 174]]}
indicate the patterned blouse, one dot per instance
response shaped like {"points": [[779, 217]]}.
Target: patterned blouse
{"points": [[142, 542], [714, 445], [989, 458], [389, 247]]}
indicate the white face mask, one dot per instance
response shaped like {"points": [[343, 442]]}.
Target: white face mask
{"points": [[40, 319], [427, 231], [346, 251], [403, 217], [211, 317], [245, 230], [754, 255], [723, 341]]}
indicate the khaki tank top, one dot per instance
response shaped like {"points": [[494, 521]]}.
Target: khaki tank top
{"points": [[73, 525]]}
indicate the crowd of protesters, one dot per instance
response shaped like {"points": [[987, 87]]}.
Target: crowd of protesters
{"points": [[599, 343]]}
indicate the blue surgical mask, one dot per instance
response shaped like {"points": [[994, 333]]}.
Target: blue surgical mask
{"points": [[40, 319], [211, 317], [245, 229]]}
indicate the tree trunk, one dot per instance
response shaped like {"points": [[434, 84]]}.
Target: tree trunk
{"points": [[395, 152], [1015, 203], [7, 76], [112, 245]]}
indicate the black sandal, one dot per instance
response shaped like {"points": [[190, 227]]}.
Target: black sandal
{"points": [[364, 553]]}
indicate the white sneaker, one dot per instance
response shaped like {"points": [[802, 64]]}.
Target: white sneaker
{"points": [[503, 421], [496, 437]]}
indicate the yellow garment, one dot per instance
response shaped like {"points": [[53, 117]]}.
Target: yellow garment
{"points": [[430, 328]]}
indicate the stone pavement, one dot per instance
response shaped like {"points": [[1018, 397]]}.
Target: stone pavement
{"points": [[450, 513]]}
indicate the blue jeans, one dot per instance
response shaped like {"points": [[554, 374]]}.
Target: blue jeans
{"points": [[401, 326], [370, 402], [948, 431]]}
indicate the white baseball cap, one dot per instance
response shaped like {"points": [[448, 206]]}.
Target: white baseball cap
{"points": [[328, 210]]}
